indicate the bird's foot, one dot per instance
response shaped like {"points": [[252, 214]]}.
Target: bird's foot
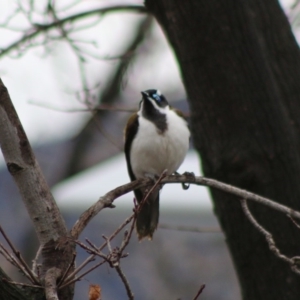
{"points": [[191, 176]]}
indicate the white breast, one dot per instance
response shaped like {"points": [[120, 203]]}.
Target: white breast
{"points": [[153, 152]]}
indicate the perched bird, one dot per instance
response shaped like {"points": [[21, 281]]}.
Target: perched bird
{"points": [[156, 139]]}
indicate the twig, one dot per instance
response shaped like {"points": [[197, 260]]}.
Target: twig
{"points": [[92, 257], [67, 270], [294, 221], [293, 262], [14, 261], [82, 275], [128, 220], [22, 284], [17, 253], [199, 292], [103, 202], [190, 228], [100, 107], [34, 262], [8, 256], [31, 33], [125, 281]]}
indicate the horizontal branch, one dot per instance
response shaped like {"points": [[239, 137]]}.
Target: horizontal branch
{"points": [[188, 178], [41, 28]]}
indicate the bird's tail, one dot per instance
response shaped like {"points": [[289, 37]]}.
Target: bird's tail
{"points": [[147, 218]]}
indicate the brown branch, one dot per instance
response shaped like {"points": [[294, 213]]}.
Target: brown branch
{"points": [[293, 262], [103, 202], [108, 199], [37, 29]]}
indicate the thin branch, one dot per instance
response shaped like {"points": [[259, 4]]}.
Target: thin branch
{"points": [[31, 33], [22, 284], [103, 202], [67, 270], [82, 275], [14, 261], [17, 253], [108, 199], [199, 292], [9, 257], [127, 237], [35, 260], [190, 228], [269, 238], [92, 257], [294, 221], [125, 282]]}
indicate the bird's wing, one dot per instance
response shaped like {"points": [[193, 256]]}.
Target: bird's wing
{"points": [[130, 132]]}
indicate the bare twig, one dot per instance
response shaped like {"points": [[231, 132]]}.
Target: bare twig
{"points": [[107, 240], [100, 107], [37, 29], [103, 202], [14, 261], [9, 257], [67, 270], [17, 253], [190, 228], [125, 282], [22, 284], [35, 260], [293, 262], [294, 221], [199, 292], [82, 275]]}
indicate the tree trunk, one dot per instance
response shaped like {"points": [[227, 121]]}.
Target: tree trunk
{"points": [[241, 68]]}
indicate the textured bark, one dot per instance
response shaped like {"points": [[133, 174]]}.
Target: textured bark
{"points": [[240, 66], [42, 209]]}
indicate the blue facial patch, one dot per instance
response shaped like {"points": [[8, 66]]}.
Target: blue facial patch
{"points": [[156, 97]]}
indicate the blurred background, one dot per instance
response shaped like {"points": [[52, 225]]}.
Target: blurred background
{"points": [[74, 86]]}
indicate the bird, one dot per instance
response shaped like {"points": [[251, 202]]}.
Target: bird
{"points": [[156, 140]]}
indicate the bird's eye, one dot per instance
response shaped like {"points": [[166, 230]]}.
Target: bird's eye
{"points": [[156, 97]]}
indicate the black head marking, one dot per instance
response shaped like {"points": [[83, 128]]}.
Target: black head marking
{"points": [[151, 112], [157, 96]]}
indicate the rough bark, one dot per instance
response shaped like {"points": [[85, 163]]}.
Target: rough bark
{"points": [[239, 63], [42, 209]]}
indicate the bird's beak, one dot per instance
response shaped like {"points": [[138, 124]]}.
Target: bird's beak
{"points": [[145, 95]]}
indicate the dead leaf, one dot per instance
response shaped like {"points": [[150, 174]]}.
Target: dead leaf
{"points": [[94, 292]]}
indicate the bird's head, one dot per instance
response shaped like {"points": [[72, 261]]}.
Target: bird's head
{"points": [[153, 100]]}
